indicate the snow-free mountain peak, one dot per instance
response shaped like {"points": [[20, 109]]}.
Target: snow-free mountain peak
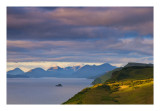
{"points": [[92, 71], [15, 71], [37, 70]]}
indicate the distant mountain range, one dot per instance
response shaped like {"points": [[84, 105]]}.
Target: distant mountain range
{"points": [[93, 71], [87, 71]]}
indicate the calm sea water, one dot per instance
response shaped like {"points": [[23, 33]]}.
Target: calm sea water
{"points": [[43, 90]]}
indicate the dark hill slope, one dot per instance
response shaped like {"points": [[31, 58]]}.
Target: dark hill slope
{"points": [[134, 73], [134, 69], [130, 64], [104, 77]]}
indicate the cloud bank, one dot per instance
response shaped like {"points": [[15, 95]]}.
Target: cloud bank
{"points": [[84, 34]]}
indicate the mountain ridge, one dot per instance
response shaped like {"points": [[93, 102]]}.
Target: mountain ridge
{"points": [[86, 71]]}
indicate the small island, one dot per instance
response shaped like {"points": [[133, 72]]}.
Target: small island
{"points": [[59, 85]]}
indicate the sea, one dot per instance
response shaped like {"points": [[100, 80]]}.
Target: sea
{"points": [[43, 90]]}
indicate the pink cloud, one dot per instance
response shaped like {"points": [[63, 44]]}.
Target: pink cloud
{"points": [[127, 18]]}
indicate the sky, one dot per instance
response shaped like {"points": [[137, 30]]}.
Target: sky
{"points": [[46, 36]]}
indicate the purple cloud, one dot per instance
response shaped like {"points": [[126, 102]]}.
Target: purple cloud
{"points": [[82, 34]]}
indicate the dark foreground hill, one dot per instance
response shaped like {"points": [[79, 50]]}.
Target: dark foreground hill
{"points": [[129, 85]]}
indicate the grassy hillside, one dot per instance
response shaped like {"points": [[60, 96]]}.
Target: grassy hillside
{"points": [[125, 92], [129, 85]]}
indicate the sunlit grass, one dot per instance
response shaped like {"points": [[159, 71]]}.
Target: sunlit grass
{"points": [[120, 92]]}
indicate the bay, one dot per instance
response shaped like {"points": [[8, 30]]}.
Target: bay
{"points": [[43, 90]]}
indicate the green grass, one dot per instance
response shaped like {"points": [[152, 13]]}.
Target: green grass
{"points": [[142, 94], [115, 93], [92, 96]]}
